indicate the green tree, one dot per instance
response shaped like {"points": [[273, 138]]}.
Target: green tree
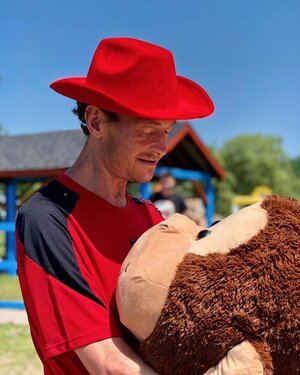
{"points": [[252, 160], [296, 166]]}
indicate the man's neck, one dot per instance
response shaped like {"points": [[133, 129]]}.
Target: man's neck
{"points": [[94, 177]]}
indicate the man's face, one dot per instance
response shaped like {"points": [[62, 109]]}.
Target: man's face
{"points": [[168, 184], [132, 147]]}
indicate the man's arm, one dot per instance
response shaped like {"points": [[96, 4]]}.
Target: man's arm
{"points": [[112, 357]]}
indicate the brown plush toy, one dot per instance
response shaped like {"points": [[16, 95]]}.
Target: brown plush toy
{"points": [[220, 301]]}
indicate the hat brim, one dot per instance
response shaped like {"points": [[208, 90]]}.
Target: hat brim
{"points": [[193, 101]]}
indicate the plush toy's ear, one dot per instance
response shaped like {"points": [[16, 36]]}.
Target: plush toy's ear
{"points": [[243, 359]]}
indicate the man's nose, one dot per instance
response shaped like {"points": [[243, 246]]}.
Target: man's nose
{"points": [[160, 144]]}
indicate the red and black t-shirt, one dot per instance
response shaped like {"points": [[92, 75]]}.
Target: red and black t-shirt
{"points": [[70, 246]]}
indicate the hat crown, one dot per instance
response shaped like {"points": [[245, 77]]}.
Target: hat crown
{"points": [[148, 70]]}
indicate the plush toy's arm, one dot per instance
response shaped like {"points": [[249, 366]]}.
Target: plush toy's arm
{"points": [[243, 359]]}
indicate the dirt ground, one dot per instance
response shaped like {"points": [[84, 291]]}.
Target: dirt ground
{"points": [[13, 316]]}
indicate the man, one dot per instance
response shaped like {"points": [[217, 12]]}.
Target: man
{"points": [[73, 235], [166, 199]]}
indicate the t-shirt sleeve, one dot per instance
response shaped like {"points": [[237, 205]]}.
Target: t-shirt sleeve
{"points": [[63, 311]]}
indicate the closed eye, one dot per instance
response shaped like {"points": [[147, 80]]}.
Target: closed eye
{"points": [[215, 222], [203, 233]]}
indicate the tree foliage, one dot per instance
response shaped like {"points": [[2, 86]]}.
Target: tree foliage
{"points": [[253, 160], [296, 166]]}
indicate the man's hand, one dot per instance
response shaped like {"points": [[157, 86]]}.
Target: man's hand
{"points": [[112, 357], [243, 359]]}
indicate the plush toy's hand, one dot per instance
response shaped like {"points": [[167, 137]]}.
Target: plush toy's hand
{"points": [[243, 359]]}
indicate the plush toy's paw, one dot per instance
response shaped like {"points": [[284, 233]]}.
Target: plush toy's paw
{"points": [[243, 359]]}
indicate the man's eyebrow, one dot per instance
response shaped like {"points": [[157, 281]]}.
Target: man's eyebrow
{"points": [[155, 122]]}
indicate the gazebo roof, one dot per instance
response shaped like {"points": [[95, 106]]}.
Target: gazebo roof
{"points": [[187, 151], [39, 154], [48, 154]]}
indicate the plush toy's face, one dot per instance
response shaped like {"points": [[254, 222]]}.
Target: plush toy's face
{"points": [[150, 267]]}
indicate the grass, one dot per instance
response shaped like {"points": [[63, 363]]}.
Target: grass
{"points": [[9, 287], [17, 353]]}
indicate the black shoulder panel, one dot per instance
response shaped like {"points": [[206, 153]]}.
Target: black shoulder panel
{"points": [[60, 195], [43, 230]]}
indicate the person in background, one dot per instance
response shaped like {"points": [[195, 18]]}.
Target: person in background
{"points": [[73, 235], [167, 200]]}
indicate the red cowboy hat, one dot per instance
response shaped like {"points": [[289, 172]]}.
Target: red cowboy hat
{"points": [[136, 78]]}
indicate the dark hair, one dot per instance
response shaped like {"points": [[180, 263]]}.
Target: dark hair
{"points": [[165, 174], [79, 111]]}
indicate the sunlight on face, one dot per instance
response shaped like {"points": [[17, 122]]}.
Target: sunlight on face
{"points": [[135, 146]]}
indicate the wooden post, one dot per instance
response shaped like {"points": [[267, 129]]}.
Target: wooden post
{"points": [[145, 190], [210, 205]]}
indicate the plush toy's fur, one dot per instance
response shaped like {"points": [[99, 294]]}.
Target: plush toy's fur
{"points": [[217, 301]]}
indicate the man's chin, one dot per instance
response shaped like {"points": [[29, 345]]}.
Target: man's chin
{"points": [[143, 179]]}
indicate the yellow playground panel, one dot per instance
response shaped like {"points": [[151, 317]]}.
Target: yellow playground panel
{"points": [[258, 193]]}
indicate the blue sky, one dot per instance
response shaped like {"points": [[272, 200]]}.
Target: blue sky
{"points": [[245, 53]]}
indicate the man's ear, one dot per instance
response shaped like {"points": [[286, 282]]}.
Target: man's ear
{"points": [[94, 118]]}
